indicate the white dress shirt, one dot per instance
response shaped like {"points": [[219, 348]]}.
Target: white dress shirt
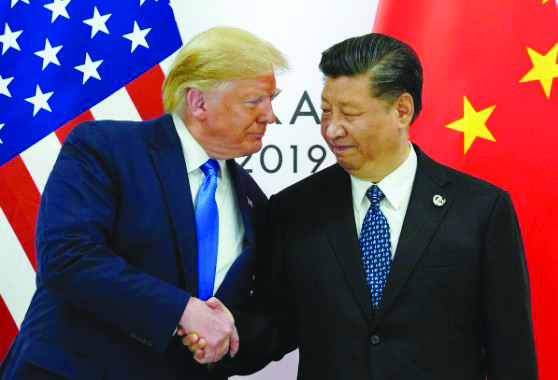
{"points": [[396, 187], [231, 226]]}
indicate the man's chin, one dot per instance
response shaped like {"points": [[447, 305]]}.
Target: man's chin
{"points": [[256, 146], [345, 164]]}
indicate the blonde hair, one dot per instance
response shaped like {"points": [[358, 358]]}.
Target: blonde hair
{"points": [[216, 56]]}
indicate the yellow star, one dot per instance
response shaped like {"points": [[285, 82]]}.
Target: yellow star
{"points": [[473, 124], [544, 1], [545, 68]]}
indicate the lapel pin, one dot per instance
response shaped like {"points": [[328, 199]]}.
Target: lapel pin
{"points": [[438, 200], [249, 202]]}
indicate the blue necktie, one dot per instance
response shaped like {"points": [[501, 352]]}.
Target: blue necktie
{"points": [[207, 230], [375, 246]]}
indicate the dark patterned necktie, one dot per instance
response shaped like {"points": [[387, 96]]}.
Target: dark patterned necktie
{"points": [[207, 230], [375, 245]]}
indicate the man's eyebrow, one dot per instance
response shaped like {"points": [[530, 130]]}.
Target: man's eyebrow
{"points": [[342, 103], [252, 97], [347, 103]]}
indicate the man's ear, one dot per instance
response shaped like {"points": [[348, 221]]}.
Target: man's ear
{"points": [[196, 101], [404, 106]]}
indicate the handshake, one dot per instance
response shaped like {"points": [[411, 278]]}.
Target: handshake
{"points": [[208, 330]]}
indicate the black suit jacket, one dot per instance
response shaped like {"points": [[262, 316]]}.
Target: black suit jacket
{"points": [[455, 307], [117, 257]]}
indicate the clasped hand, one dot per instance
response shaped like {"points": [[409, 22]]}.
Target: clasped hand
{"points": [[208, 330]]}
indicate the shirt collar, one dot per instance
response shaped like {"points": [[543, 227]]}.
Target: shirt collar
{"points": [[196, 155], [394, 186]]}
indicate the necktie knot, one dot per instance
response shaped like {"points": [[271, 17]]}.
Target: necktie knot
{"points": [[375, 195], [210, 168]]}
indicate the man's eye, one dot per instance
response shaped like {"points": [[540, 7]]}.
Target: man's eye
{"points": [[252, 102]]}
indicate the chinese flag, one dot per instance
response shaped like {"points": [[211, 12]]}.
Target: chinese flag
{"points": [[491, 110]]}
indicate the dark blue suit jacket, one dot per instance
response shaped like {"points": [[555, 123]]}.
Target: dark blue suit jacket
{"points": [[117, 256]]}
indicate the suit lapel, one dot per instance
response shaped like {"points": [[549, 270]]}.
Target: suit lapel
{"points": [[245, 205], [335, 210], [168, 161], [245, 208], [420, 223]]}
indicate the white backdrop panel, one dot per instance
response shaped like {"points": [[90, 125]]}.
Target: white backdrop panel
{"points": [[301, 30]]}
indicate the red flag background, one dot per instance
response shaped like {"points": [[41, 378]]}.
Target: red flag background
{"points": [[491, 110]]}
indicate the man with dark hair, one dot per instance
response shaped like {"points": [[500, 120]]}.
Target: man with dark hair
{"points": [[388, 265]]}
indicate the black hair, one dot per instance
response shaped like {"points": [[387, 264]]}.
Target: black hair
{"points": [[393, 66]]}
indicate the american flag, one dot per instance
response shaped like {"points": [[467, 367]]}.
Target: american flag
{"points": [[63, 62]]}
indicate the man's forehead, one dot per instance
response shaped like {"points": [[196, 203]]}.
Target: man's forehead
{"points": [[262, 84], [340, 98], [344, 89]]}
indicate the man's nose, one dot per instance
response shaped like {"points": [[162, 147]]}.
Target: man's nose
{"points": [[332, 129], [267, 115]]}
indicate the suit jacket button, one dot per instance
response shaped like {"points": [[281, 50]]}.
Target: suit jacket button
{"points": [[375, 339]]}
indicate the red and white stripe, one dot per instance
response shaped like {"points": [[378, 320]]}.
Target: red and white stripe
{"points": [[22, 182]]}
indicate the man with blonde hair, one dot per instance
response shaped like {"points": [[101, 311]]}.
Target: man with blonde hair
{"points": [[141, 222]]}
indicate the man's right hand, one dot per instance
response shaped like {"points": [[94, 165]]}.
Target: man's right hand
{"points": [[214, 326]]}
